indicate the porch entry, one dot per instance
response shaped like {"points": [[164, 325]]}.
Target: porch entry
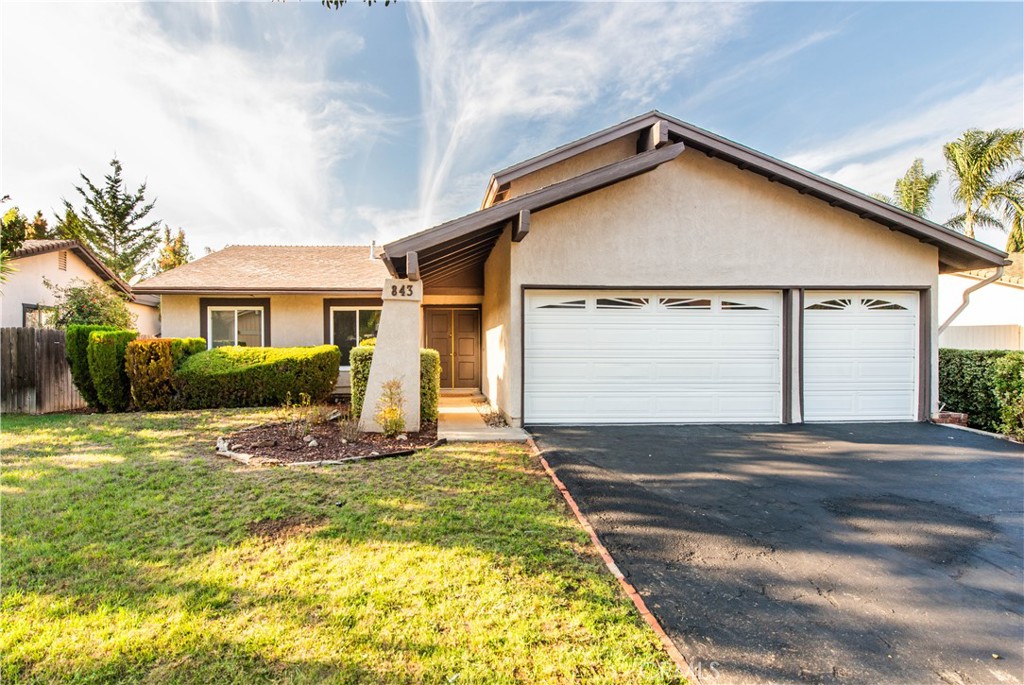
{"points": [[455, 333]]}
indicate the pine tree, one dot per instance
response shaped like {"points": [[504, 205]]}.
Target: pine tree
{"points": [[113, 222], [174, 252]]}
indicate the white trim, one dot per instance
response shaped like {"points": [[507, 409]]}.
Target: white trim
{"points": [[235, 309], [344, 366]]}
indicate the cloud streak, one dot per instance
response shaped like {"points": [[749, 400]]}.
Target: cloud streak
{"points": [[487, 79], [237, 145]]}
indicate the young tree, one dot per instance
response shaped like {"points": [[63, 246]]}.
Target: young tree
{"points": [[113, 222], [14, 229], [174, 252], [987, 170], [913, 192], [89, 303]]}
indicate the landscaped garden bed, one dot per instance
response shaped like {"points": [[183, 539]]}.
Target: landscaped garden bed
{"points": [[331, 441]]}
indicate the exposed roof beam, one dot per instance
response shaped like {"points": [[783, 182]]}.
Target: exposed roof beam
{"points": [[535, 201], [412, 266], [520, 225], [653, 137], [458, 247], [458, 264]]}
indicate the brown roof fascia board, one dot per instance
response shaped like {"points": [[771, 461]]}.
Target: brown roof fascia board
{"points": [[535, 201], [258, 291]]}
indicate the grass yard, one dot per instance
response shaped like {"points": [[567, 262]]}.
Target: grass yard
{"points": [[132, 554]]}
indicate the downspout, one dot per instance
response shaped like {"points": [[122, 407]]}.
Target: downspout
{"points": [[967, 296]]}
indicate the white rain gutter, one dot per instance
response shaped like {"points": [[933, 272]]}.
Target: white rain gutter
{"points": [[967, 296]]}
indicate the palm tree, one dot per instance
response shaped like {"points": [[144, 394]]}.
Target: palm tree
{"points": [[913, 192], [987, 169]]}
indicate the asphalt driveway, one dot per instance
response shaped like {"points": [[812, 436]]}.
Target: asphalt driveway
{"points": [[853, 553]]}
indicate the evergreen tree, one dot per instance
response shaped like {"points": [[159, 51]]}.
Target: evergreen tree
{"points": [[13, 230], [112, 223], [174, 252]]}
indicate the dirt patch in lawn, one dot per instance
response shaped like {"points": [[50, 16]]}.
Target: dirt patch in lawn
{"points": [[274, 443], [280, 529]]}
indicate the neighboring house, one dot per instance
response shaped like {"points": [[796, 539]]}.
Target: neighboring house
{"points": [[650, 272], [280, 296], [27, 301], [994, 317]]}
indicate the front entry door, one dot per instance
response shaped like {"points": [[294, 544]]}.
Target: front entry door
{"points": [[455, 334]]}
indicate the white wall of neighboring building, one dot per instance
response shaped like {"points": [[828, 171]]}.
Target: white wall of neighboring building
{"points": [[25, 286], [993, 319]]}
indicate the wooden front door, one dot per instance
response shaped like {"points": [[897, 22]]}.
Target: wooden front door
{"points": [[455, 334]]}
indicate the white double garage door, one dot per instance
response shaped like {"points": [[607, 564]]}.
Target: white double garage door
{"points": [[636, 356]]}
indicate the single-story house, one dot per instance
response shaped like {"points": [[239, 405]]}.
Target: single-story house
{"points": [[26, 301], [994, 316], [649, 272]]}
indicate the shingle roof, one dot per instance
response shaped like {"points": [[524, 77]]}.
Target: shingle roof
{"points": [[1013, 273], [274, 268]]}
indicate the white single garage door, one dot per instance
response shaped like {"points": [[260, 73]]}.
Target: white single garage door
{"points": [[860, 356], [652, 357]]}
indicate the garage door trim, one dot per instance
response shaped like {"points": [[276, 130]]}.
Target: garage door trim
{"points": [[786, 343]]}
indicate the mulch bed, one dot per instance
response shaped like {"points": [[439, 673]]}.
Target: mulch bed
{"points": [[272, 444]]}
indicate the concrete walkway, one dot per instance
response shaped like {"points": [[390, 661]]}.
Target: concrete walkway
{"points": [[459, 420]]}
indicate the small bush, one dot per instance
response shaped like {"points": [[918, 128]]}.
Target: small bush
{"points": [[391, 409], [1008, 384], [76, 348], [150, 365], [967, 383], [430, 380], [368, 342], [106, 353], [256, 376], [90, 303]]}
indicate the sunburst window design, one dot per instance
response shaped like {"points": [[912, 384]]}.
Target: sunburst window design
{"points": [[622, 302], [685, 303], [568, 304], [843, 303], [726, 304], [871, 303]]}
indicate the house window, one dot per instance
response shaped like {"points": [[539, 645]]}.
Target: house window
{"points": [[350, 326], [38, 316], [241, 326]]}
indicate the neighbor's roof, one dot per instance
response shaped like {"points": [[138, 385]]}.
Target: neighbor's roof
{"points": [[1012, 275], [660, 138], [32, 248], [274, 268]]}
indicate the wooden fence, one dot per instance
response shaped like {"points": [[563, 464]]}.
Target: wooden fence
{"points": [[34, 374]]}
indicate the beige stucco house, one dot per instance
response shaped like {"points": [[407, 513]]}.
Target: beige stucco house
{"points": [[650, 272], [25, 299]]}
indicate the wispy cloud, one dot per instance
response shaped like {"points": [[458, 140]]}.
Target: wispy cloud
{"points": [[484, 77], [871, 157], [236, 144]]}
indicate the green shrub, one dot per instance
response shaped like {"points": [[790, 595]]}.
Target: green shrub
{"points": [[76, 347], [368, 342], [967, 384], [256, 376], [106, 366], [150, 365], [1008, 376], [430, 380]]}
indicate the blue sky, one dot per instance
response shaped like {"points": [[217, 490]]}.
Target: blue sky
{"points": [[285, 123]]}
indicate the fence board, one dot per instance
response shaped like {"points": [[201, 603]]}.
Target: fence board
{"points": [[34, 374]]}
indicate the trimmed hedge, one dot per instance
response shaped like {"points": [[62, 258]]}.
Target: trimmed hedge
{"points": [[150, 365], [430, 380], [256, 376], [1009, 389], [76, 340], [106, 367], [984, 384]]}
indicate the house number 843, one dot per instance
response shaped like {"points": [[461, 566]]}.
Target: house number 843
{"points": [[401, 291]]}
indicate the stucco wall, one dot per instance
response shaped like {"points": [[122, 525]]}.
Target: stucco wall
{"points": [[25, 286], [497, 326], [697, 221], [574, 166]]}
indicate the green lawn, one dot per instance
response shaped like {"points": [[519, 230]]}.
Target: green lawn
{"points": [[132, 554]]}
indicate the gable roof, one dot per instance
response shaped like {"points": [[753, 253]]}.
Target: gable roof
{"points": [[32, 248], [274, 268], [956, 251]]}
